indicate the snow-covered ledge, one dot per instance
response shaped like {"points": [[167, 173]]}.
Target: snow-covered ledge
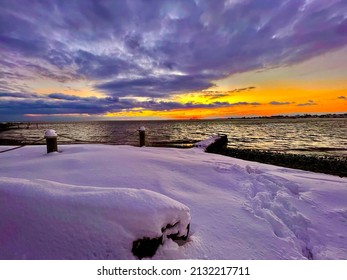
{"points": [[215, 141]]}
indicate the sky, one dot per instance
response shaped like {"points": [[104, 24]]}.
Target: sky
{"points": [[179, 59]]}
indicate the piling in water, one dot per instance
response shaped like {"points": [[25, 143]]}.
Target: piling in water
{"points": [[142, 132]]}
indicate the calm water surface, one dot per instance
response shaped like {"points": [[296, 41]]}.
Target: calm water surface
{"points": [[309, 136]]}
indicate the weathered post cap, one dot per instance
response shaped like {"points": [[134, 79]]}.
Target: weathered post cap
{"points": [[142, 128], [50, 133]]}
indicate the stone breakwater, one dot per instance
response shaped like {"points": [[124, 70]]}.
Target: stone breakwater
{"points": [[320, 164]]}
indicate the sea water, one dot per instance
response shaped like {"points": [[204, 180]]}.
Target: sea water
{"points": [[319, 136]]}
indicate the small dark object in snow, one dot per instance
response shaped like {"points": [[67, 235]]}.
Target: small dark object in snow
{"points": [[177, 236], [146, 247]]}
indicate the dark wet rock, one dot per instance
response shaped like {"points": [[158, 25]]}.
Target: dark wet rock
{"points": [[146, 247]]}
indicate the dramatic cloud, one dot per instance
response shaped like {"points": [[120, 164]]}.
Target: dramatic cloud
{"points": [[103, 66], [342, 97], [62, 96], [160, 48], [58, 103], [19, 95], [163, 85]]}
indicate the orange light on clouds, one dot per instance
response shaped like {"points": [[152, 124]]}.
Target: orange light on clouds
{"points": [[75, 88], [310, 87], [82, 92], [281, 106]]}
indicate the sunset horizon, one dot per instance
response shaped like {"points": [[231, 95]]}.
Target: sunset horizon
{"points": [[137, 60]]}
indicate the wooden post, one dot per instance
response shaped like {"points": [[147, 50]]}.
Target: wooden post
{"points": [[142, 136], [51, 141]]}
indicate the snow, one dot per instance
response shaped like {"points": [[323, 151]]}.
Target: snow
{"points": [[203, 144], [50, 133], [38, 213], [93, 201]]}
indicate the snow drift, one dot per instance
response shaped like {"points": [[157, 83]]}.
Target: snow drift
{"points": [[42, 219], [77, 204]]}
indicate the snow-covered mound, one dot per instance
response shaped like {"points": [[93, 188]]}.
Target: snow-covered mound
{"points": [[239, 209], [41, 219]]}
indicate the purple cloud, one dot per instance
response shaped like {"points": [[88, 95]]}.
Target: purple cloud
{"points": [[156, 86], [160, 48], [57, 103], [308, 103], [19, 95], [62, 96], [103, 66], [279, 103]]}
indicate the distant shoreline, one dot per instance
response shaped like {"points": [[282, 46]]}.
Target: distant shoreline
{"points": [[298, 116], [8, 124]]}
